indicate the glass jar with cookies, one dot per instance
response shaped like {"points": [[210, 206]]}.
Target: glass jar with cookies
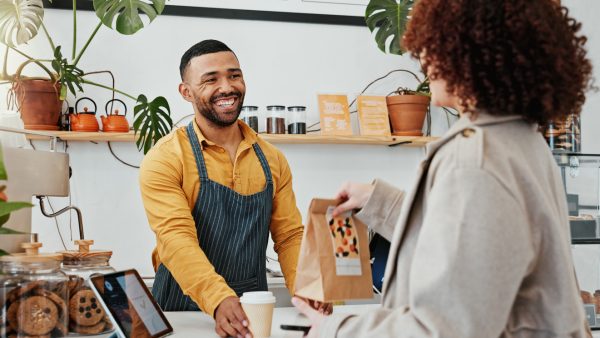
{"points": [[33, 294], [86, 314]]}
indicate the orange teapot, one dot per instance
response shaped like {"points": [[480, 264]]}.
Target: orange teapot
{"points": [[85, 120], [113, 122]]}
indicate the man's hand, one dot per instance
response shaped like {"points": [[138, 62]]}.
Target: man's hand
{"points": [[230, 319], [324, 308]]}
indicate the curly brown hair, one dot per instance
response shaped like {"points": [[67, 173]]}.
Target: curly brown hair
{"points": [[507, 56]]}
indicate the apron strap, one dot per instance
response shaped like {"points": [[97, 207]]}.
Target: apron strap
{"points": [[263, 162], [197, 152]]}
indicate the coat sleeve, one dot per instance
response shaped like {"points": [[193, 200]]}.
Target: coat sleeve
{"points": [[473, 251], [382, 210]]}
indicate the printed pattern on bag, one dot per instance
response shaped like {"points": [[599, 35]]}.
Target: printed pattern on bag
{"points": [[345, 243]]}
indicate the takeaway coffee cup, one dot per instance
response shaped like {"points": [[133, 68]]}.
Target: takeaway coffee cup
{"points": [[258, 306]]}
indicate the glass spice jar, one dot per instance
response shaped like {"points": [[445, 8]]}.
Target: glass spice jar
{"points": [[296, 121], [249, 115], [275, 119], [34, 294], [86, 314]]}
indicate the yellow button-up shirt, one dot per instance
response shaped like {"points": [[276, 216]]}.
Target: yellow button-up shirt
{"points": [[170, 183]]}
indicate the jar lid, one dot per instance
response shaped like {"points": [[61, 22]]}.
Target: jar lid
{"points": [[32, 255], [275, 107], [250, 108], [84, 253], [296, 108]]}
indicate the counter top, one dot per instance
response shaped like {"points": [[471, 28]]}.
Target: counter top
{"points": [[198, 324]]}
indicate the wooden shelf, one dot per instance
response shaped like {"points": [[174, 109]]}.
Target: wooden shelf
{"points": [[85, 136], [277, 139]]}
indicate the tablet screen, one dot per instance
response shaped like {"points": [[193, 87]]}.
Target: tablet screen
{"points": [[131, 305]]}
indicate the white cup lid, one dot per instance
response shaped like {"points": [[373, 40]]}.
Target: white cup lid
{"points": [[257, 297]]}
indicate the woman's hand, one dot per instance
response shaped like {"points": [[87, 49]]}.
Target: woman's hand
{"points": [[324, 308], [352, 196], [315, 317]]}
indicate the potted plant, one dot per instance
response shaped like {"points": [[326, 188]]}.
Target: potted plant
{"points": [[40, 99], [7, 207], [407, 108]]}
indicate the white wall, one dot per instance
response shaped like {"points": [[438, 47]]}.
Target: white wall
{"points": [[284, 63]]}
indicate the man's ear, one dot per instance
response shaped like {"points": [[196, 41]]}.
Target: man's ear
{"points": [[185, 92]]}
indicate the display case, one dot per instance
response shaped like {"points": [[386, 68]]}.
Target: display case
{"points": [[580, 174]]}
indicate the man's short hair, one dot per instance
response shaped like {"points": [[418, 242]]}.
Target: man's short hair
{"points": [[201, 48]]}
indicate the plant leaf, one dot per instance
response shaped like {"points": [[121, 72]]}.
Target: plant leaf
{"points": [[127, 12], [69, 75], [388, 19], [7, 231], [3, 175], [20, 20], [3, 253], [7, 207], [152, 120]]}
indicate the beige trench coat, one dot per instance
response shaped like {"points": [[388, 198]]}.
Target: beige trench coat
{"points": [[480, 246]]}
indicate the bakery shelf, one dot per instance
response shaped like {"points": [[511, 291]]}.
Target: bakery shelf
{"points": [[277, 139]]}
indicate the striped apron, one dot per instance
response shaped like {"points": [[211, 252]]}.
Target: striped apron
{"points": [[233, 231]]}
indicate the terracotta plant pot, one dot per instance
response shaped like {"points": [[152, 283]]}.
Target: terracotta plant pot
{"points": [[407, 114], [39, 104]]}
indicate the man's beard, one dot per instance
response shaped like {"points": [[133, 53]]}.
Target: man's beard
{"points": [[211, 115]]}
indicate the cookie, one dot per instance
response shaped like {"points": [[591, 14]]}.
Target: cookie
{"points": [[109, 325], [59, 302], [23, 290], [14, 335], [93, 329], [74, 284], [60, 288], [37, 316], [11, 315], [84, 308]]}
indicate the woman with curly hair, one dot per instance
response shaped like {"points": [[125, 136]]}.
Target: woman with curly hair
{"points": [[481, 246]]}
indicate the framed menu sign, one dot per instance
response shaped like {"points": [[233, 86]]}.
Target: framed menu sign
{"points": [[335, 115], [373, 116]]}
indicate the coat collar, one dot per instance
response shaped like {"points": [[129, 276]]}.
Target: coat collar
{"points": [[465, 122]]}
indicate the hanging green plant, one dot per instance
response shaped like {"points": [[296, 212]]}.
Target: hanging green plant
{"points": [[21, 20], [127, 12], [388, 19], [152, 121]]}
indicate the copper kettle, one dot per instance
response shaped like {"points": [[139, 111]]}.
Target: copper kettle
{"points": [[113, 122], [85, 120]]}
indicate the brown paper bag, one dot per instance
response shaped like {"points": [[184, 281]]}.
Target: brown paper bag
{"points": [[334, 260]]}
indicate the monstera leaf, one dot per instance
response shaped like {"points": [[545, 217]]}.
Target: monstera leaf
{"points": [[127, 12], [152, 120], [20, 20], [3, 175], [388, 18], [70, 76], [5, 209]]}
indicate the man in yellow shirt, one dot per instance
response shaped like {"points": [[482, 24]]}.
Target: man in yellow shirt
{"points": [[212, 192]]}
